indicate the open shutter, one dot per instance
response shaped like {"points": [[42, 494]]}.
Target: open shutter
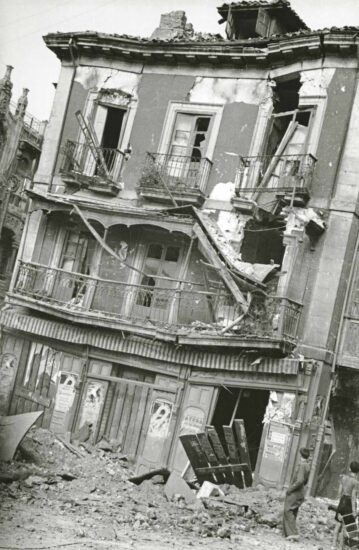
{"points": [[263, 22]]}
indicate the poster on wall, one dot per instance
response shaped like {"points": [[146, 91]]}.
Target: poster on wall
{"points": [[280, 407], [92, 404], [275, 451], [8, 365], [161, 412], [66, 391], [192, 421]]}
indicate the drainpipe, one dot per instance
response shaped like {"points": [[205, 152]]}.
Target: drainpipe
{"points": [[75, 64], [321, 429]]}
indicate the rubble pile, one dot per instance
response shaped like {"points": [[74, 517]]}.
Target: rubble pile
{"points": [[91, 489]]}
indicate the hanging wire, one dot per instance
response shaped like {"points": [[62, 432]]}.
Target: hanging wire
{"points": [[38, 13], [266, 229], [39, 30]]}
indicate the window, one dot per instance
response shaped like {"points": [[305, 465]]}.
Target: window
{"points": [[190, 136], [161, 260], [111, 135], [191, 130], [6, 252], [41, 370]]}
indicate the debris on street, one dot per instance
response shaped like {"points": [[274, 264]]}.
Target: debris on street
{"points": [[92, 498]]}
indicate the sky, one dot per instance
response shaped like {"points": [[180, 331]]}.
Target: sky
{"points": [[24, 22]]}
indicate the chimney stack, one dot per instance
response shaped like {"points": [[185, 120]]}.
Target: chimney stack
{"points": [[173, 25]]}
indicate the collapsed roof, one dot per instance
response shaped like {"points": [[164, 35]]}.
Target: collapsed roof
{"points": [[259, 18]]}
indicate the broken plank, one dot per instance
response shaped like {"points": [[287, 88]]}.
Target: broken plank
{"points": [[221, 500], [223, 469], [69, 446], [196, 456], [243, 450], [211, 456], [277, 155], [164, 472], [233, 454], [221, 455], [212, 255]]}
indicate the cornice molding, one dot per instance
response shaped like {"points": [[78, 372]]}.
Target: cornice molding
{"points": [[277, 49]]}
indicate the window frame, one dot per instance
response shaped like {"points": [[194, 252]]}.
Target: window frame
{"points": [[196, 109]]}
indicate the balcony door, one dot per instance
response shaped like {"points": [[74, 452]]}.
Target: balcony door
{"points": [[112, 131], [76, 257], [155, 296], [188, 146]]}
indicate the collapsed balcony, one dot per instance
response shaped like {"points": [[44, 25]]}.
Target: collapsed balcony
{"points": [[95, 168], [288, 177], [184, 178], [169, 305]]}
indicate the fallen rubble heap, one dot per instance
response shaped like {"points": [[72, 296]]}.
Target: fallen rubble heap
{"points": [[93, 486]]}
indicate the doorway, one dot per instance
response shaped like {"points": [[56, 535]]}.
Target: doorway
{"points": [[247, 404], [111, 135]]}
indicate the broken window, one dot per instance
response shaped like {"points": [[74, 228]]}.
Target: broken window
{"points": [[189, 135], [286, 113], [77, 259], [262, 244], [188, 145], [161, 261], [77, 252]]}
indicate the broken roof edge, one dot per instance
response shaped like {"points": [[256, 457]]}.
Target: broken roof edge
{"points": [[60, 39], [70, 201]]}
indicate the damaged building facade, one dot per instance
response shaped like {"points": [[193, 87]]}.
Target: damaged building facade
{"points": [[187, 250], [20, 145]]}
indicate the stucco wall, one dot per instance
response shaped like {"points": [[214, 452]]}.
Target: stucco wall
{"points": [[154, 94], [337, 115], [235, 135]]}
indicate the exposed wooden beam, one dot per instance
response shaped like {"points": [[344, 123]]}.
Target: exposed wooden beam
{"points": [[223, 271]]}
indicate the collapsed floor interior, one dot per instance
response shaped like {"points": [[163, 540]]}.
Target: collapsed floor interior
{"points": [[245, 403]]}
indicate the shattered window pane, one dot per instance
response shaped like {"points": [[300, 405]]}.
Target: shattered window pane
{"points": [[172, 254], [155, 251]]}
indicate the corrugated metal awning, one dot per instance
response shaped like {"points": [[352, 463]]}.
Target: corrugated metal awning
{"points": [[137, 345]]}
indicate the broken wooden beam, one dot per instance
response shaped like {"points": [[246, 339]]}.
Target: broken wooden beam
{"points": [[196, 456], [243, 450], [222, 269]]}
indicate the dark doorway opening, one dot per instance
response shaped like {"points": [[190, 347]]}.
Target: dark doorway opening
{"points": [[6, 252], [262, 244], [248, 404], [112, 129], [111, 135]]}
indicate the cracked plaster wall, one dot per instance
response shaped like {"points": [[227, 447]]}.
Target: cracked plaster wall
{"points": [[94, 78], [333, 131]]}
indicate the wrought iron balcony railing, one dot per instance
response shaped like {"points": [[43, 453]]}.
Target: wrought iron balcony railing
{"points": [[170, 304], [79, 161], [179, 172], [34, 124], [274, 174]]}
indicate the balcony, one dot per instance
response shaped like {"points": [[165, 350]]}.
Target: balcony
{"points": [[288, 177], [170, 307], [96, 169], [33, 131], [182, 177]]}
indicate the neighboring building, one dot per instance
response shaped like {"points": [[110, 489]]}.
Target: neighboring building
{"points": [[192, 227], [20, 146]]}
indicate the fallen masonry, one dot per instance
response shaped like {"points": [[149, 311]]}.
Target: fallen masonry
{"points": [[91, 497]]}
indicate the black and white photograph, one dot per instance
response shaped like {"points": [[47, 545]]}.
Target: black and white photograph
{"points": [[179, 274]]}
